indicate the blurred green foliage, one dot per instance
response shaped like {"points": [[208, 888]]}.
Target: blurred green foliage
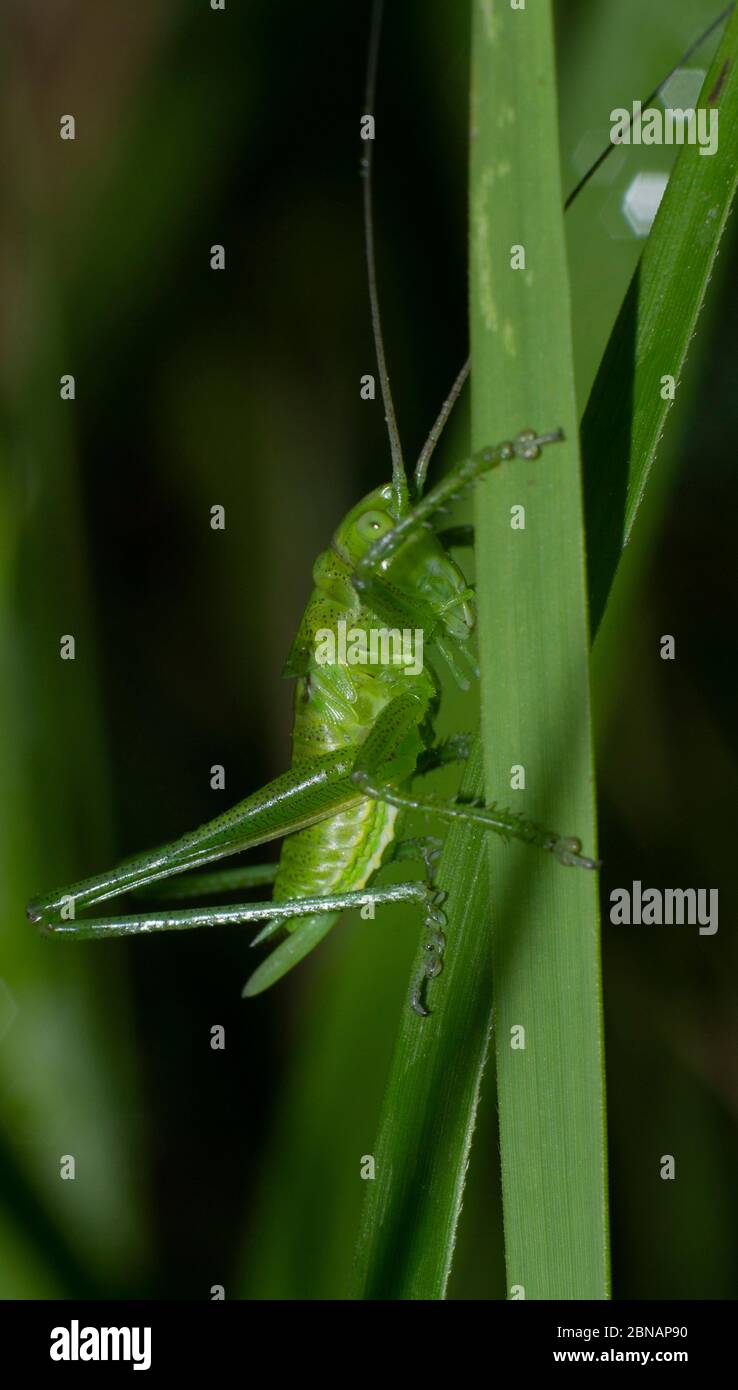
{"points": [[241, 1167]]}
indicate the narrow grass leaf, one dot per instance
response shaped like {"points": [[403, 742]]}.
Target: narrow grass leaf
{"points": [[412, 1207], [534, 635], [534, 658], [644, 359]]}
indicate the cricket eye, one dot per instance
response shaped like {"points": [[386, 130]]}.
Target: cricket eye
{"points": [[372, 525]]}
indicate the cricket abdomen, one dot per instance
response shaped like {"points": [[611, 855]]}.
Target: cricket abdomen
{"points": [[336, 706], [336, 855]]}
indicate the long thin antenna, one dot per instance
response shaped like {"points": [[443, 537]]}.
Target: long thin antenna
{"points": [[421, 468], [399, 477], [652, 97]]}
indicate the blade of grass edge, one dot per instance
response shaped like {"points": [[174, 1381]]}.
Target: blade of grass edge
{"points": [[627, 409]]}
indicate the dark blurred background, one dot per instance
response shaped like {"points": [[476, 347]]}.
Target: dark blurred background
{"points": [[239, 1167]]}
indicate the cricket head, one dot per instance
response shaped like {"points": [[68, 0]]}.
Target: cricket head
{"points": [[421, 568]]}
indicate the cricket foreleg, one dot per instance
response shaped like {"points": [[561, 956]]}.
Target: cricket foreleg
{"points": [[369, 577], [527, 446], [401, 611]]}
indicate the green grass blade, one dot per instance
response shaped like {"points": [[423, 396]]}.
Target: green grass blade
{"points": [[65, 1084], [533, 610], [554, 1136], [626, 412], [412, 1207], [534, 659]]}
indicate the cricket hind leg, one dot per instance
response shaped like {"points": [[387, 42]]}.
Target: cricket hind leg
{"points": [[426, 849], [374, 774], [508, 824], [317, 789], [217, 881], [308, 932], [315, 918], [434, 948], [166, 920]]}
